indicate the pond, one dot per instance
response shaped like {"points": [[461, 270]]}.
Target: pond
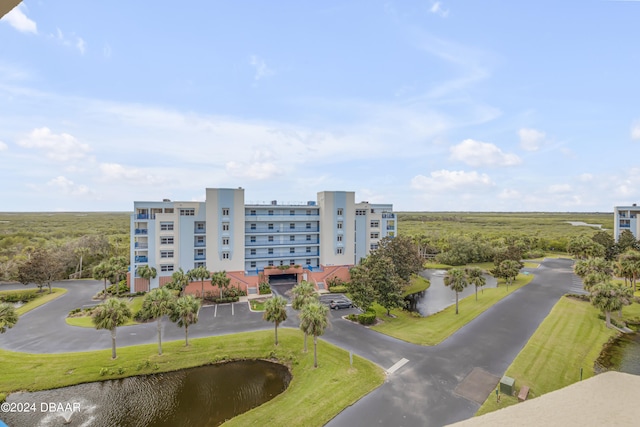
{"points": [[622, 354], [198, 397], [438, 296]]}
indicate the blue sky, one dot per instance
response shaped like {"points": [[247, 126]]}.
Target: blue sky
{"points": [[429, 105]]}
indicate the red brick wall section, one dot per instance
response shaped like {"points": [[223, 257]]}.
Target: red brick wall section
{"points": [[141, 285], [164, 280]]}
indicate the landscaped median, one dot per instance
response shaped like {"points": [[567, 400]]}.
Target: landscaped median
{"points": [[82, 318], [314, 396], [40, 297], [432, 330], [570, 338]]}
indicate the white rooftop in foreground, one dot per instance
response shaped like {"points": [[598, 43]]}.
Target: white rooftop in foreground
{"points": [[608, 399], [7, 5]]}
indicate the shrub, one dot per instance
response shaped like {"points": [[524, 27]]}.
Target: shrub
{"points": [[367, 318], [341, 289], [264, 288], [533, 254], [226, 300], [24, 296], [233, 292]]}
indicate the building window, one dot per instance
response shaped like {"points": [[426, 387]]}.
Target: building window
{"points": [[168, 210], [199, 240], [253, 226], [166, 226], [374, 246], [339, 225], [200, 252], [166, 267], [308, 211], [375, 224], [375, 235], [253, 251], [339, 251], [225, 255], [308, 238], [307, 261], [308, 226], [270, 226], [270, 251], [200, 227], [225, 211], [225, 241], [308, 250], [187, 212], [292, 226], [339, 237], [252, 212], [199, 264], [166, 240], [270, 263], [292, 238], [292, 262], [361, 212], [292, 250], [270, 238], [339, 211], [252, 239], [292, 212], [225, 226], [270, 212], [253, 264], [166, 254]]}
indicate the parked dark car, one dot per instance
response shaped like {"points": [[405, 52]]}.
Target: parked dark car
{"points": [[340, 303]]}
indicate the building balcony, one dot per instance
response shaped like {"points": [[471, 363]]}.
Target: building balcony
{"points": [[139, 231], [275, 230], [200, 257], [142, 259], [281, 218], [287, 243], [390, 227], [199, 230], [200, 244], [142, 216], [141, 245], [388, 215], [269, 257]]}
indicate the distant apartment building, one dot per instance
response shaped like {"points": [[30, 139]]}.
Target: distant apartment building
{"points": [[626, 218], [309, 240]]}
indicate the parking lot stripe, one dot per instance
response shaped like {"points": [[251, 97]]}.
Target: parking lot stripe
{"points": [[399, 364], [232, 309], [215, 311]]}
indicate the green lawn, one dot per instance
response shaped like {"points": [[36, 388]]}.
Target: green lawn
{"points": [[43, 298], [85, 321], [570, 338], [417, 284], [314, 395], [257, 304], [436, 328]]}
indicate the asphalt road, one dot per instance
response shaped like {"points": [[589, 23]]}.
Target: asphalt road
{"points": [[419, 393]]}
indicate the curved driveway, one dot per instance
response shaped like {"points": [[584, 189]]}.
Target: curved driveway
{"points": [[420, 393]]}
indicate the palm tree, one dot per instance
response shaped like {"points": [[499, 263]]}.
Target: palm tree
{"points": [[180, 280], [313, 321], [630, 263], [118, 265], [457, 281], [8, 317], [102, 271], [155, 305], [607, 298], [303, 293], [147, 273], [275, 310], [199, 273], [109, 315], [185, 312], [221, 280], [475, 278]]}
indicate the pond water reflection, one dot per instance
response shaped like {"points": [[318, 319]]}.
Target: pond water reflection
{"points": [[204, 396], [622, 354], [438, 296]]}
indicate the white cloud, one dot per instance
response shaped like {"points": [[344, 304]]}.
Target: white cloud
{"points": [[3, 146], [586, 177], [69, 187], [117, 172], [445, 180], [559, 189], [531, 139], [635, 131], [437, 8], [71, 40], [255, 170], [477, 153], [261, 68], [18, 20], [60, 147]]}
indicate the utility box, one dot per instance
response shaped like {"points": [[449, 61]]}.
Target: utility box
{"points": [[507, 385]]}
